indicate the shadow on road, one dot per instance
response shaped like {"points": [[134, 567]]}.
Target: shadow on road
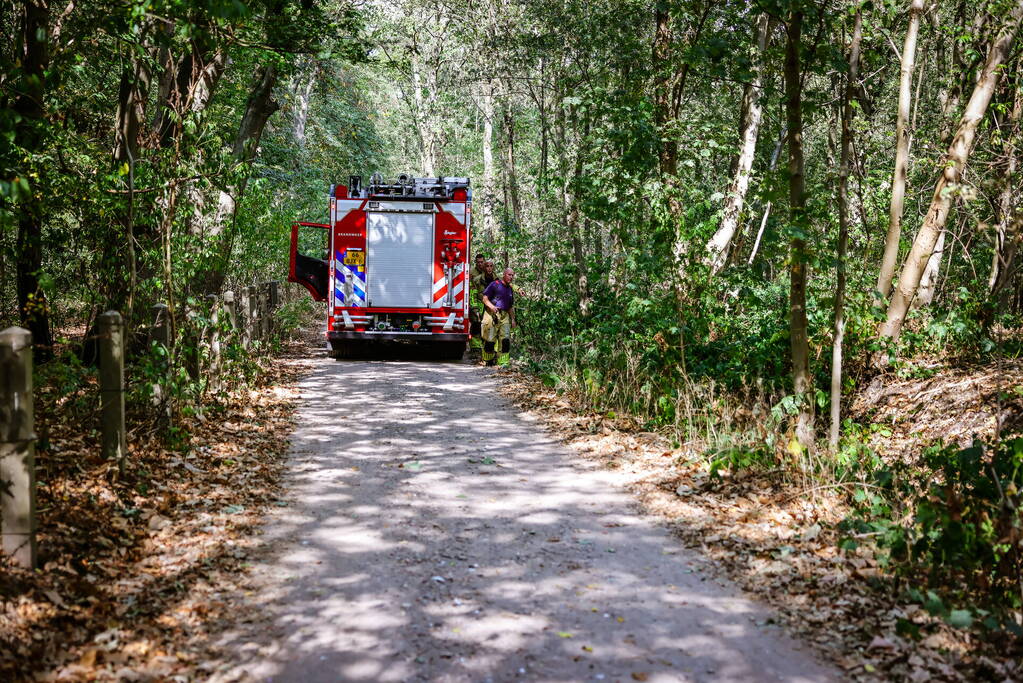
{"points": [[434, 533]]}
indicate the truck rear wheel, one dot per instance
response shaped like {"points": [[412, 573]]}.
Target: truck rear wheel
{"points": [[447, 350], [347, 350]]}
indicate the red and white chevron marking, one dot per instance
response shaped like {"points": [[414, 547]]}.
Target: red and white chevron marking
{"points": [[440, 289]]}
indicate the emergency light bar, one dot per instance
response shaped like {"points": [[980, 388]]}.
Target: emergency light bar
{"points": [[407, 187], [402, 207]]}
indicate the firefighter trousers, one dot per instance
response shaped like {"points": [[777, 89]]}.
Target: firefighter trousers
{"points": [[496, 336]]}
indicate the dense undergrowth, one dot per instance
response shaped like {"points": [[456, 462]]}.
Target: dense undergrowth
{"points": [[133, 560], [942, 519], [162, 386], [950, 523]]}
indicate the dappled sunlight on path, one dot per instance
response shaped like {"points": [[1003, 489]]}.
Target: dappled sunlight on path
{"points": [[434, 533]]}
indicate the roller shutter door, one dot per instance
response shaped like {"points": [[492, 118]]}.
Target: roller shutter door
{"points": [[399, 259]]}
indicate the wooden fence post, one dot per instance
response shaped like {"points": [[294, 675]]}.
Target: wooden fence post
{"points": [[252, 310], [160, 333], [190, 338], [275, 294], [161, 325], [111, 386], [17, 448], [213, 340], [275, 303], [232, 309], [264, 310], [243, 316]]}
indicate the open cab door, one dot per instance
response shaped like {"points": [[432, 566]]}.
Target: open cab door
{"points": [[309, 253]]}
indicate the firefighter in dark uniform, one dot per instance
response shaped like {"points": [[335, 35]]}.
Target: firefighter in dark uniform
{"points": [[476, 287], [488, 274], [498, 317]]}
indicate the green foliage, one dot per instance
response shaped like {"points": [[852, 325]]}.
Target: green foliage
{"points": [[618, 298], [737, 459], [294, 315], [954, 327], [953, 521]]}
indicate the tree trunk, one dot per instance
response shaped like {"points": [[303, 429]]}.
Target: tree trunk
{"points": [[902, 139], [843, 230], [259, 107], [1007, 260], [509, 161], [929, 280], [1005, 240], [131, 111], [424, 117], [488, 200], [948, 180], [542, 111], [570, 203], [950, 102], [186, 87], [668, 147], [717, 247], [767, 207], [207, 79], [802, 380], [176, 88], [304, 96], [34, 55]]}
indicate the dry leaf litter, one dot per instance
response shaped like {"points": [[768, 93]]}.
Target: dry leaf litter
{"points": [[777, 538]]}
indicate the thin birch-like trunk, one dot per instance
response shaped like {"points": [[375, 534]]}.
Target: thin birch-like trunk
{"points": [[304, 97], [929, 280], [572, 222], [717, 247], [902, 139], [948, 181], [767, 207], [1000, 290], [424, 119], [488, 198], [843, 231], [950, 102]]}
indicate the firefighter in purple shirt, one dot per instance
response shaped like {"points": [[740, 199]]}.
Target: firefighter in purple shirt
{"points": [[498, 317]]}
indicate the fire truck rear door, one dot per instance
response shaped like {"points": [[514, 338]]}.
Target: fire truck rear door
{"points": [[399, 259], [308, 263]]}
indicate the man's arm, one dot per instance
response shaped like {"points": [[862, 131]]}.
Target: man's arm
{"points": [[489, 306]]}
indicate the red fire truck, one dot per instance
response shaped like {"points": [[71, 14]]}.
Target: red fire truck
{"points": [[391, 265]]}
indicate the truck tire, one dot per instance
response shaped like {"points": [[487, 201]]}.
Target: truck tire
{"points": [[347, 350], [447, 350]]}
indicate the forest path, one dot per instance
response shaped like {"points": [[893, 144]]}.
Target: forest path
{"points": [[436, 533]]}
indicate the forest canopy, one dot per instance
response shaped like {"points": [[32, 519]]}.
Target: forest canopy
{"points": [[692, 192]]}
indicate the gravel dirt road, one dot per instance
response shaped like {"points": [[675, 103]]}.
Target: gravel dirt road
{"points": [[435, 533]]}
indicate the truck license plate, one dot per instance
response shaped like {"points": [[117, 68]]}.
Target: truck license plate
{"points": [[355, 258]]}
